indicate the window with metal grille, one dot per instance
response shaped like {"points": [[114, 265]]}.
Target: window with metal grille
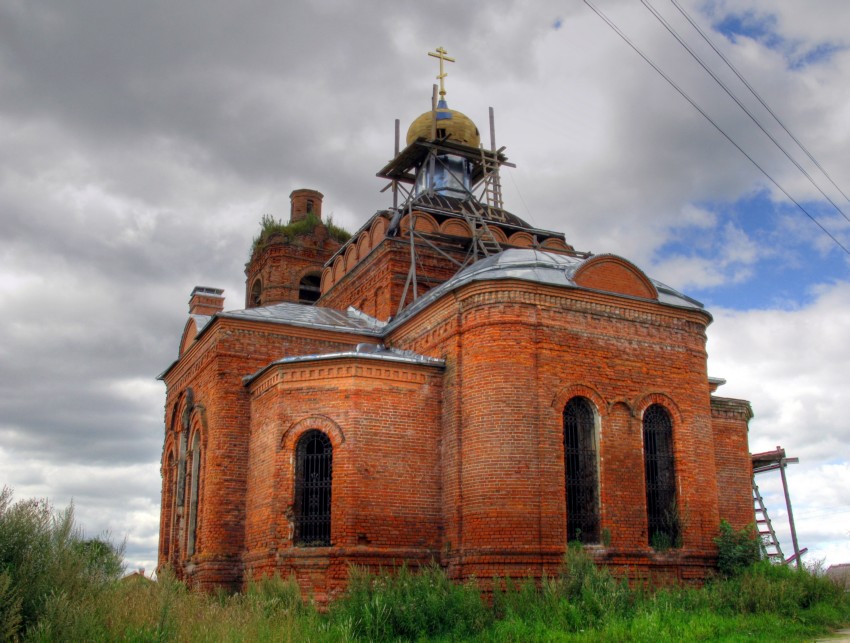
{"points": [[313, 470], [662, 516], [582, 481]]}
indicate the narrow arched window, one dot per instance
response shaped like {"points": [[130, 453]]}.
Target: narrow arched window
{"points": [[313, 471], [169, 471], [194, 484], [662, 515], [310, 288], [580, 470], [256, 294]]}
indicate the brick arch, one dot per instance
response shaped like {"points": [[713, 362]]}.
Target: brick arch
{"points": [[190, 331], [327, 279], [339, 268], [621, 403], [377, 230], [456, 228], [521, 239], [559, 401], [320, 422], [661, 399], [364, 244], [198, 427], [554, 243], [611, 273], [351, 258], [498, 234], [424, 223], [169, 448]]}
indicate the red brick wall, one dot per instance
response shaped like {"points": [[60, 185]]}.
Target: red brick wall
{"points": [[281, 265], [518, 352], [467, 463], [729, 420], [375, 284], [213, 368], [383, 421]]}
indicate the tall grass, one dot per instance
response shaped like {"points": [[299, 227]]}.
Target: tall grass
{"points": [[57, 586], [46, 563]]}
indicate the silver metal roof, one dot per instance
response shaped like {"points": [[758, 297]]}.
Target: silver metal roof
{"points": [[361, 351], [311, 317], [528, 264]]}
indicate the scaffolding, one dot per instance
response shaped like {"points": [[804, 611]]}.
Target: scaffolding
{"points": [[479, 193]]}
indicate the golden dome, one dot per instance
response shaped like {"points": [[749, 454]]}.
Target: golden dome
{"points": [[457, 126]]}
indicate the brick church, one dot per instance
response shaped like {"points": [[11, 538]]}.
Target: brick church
{"points": [[450, 383]]}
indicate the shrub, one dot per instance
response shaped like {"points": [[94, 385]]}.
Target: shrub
{"points": [[44, 559], [736, 550], [387, 606], [270, 226]]}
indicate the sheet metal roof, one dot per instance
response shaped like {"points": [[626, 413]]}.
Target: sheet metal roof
{"points": [[311, 317], [377, 352], [527, 264]]}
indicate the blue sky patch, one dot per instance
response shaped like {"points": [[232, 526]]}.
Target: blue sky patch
{"points": [[764, 30], [764, 252], [749, 25]]}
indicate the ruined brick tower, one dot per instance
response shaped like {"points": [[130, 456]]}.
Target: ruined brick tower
{"points": [[449, 384]]}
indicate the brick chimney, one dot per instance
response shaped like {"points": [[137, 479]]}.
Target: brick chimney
{"points": [[305, 202], [206, 301]]}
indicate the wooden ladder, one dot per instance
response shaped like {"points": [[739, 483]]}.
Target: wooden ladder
{"points": [[769, 542], [482, 237], [492, 182]]}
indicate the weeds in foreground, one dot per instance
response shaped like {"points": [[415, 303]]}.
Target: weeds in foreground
{"points": [[65, 588]]}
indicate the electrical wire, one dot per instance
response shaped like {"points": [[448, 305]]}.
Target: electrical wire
{"points": [[757, 96], [731, 95], [693, 103]]}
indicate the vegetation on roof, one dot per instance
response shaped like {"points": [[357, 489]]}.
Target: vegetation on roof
{"points": [[270, 226]]}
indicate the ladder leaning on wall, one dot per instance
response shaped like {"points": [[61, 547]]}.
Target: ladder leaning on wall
{"points": [[772, 461], [770, 547]]}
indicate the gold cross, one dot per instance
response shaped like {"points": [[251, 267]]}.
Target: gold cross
{"points": [[441, 54]]}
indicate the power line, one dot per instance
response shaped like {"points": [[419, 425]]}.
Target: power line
{"points": [[757, 96], [684, 95], [726, 89]]}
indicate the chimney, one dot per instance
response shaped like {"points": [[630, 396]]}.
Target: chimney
{"points": [[206, 301], [305, 202]]}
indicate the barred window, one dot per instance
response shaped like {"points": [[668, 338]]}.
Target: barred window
{"points": [[662, 516], [582, 481], [313, 472]]}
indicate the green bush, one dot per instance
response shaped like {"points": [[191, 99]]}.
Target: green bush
{"points": [[407, 605], [270, 226], [736, 550], [45, 561]]}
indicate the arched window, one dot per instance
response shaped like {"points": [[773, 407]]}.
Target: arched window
{"points": [[256, 294], [169, 471], [582, 481], [313, 471], [662, 516], [310, 288], [193, 493]]}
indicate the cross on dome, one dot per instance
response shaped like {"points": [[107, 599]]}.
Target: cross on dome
{"points": [[441, 54]]}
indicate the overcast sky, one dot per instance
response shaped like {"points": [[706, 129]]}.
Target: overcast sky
{"points": [[141, 142]]}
